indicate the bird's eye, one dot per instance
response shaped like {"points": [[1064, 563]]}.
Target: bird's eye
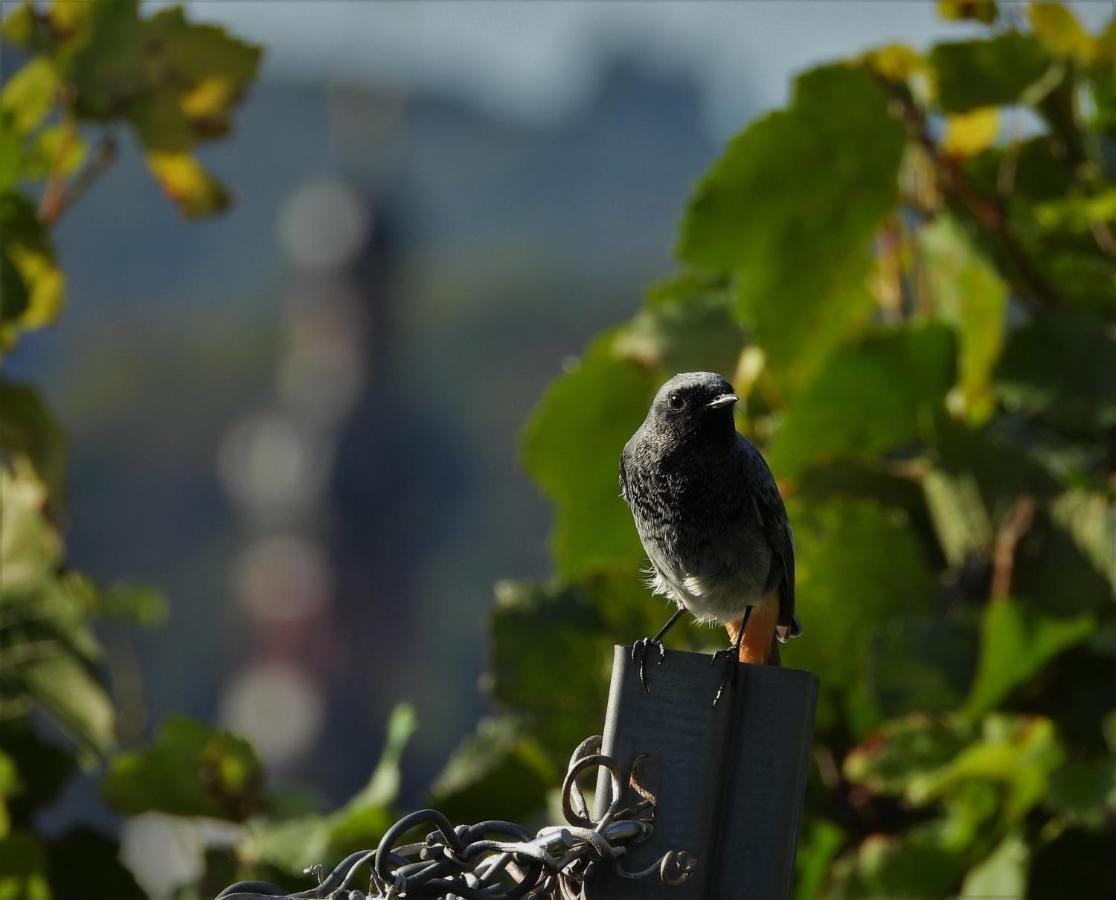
{"points": [[675, 402]]}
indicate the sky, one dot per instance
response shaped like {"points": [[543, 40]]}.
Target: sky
{"points": [[538, 60]]}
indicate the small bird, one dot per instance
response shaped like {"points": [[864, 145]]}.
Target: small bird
{"points": [[711, 519]]}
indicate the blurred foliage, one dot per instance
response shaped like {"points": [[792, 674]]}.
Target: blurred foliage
{"points": [[910, 276], [77, 75]]}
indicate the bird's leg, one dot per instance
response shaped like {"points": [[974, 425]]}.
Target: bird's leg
{"points": [[641, 647], [732, 657]]}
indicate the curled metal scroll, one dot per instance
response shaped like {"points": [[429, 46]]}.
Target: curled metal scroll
{"points": [[497, 860]]}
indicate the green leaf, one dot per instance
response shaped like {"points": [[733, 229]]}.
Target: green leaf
{"points": [[383, 786], [139, 603], [871, 397], [1018, 753], [27, 247], [790, 210], [29, 430], [571, 447], [308, 840], [1001, 874], [687, 325], [821, 841], [69, 693], [560, 624], [1062, 367], [969, 295], [902, 754], [189, 770], [200, 67], [1059, 32], [992, 72], [29, 95], [1016, 644], [915, 866], [852, 554], [923, 663], [23, 868], [105, 63], [1084, 792], [496, 773]]}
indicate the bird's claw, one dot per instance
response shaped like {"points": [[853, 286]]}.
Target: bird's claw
{"points": [[730, 658], [640, 650]]}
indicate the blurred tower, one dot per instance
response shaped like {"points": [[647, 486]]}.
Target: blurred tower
{"points": [[276, 466]]}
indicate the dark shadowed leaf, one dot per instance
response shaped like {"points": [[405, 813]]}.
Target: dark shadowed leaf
{"points": [[536, 633], [189, 770], [28, 429], [919, 865], [1084, 791], [1062, 368], [499, 770], [859, 567]]}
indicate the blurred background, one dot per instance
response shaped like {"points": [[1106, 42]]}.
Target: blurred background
{"points": [[299, 419]]}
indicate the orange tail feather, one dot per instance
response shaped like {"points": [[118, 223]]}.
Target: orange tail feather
{"points": [[759, 644]]}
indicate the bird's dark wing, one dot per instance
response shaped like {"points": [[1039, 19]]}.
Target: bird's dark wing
{"points": [[775, 525]]}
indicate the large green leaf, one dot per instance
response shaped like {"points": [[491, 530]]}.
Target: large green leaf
{"points": [[872, 396], [535, 633], [859, 567], [790, 209], [1084, 791], [991, 72], [23, 868], [189, 770], [572, 448], [1016, 644]]}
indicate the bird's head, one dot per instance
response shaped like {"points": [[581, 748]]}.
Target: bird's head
{"points": [[695, 403]]}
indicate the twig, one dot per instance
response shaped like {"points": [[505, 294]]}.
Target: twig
{"points": [[984, 210], [58, 197], [1015, 526]]}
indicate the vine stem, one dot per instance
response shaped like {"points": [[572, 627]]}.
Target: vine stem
{"points": [[58, 196], [985, 211]]}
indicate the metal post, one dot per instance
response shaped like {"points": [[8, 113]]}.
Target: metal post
{"points": [[729, 782]]}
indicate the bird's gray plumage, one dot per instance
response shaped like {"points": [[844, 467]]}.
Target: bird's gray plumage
{"points": [[706, 506]]}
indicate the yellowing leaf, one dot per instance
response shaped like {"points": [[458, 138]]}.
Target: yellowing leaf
{"points": [[29, 94], [958, 10], [45, 282], [971, 133], [184, 180], [59, 149], [1060, 32], [969, 294]]}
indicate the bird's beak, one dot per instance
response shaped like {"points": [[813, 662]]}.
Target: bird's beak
{"points": [[723, 400]]}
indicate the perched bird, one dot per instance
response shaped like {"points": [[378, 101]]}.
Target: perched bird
{"points": [[710, 517]]}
